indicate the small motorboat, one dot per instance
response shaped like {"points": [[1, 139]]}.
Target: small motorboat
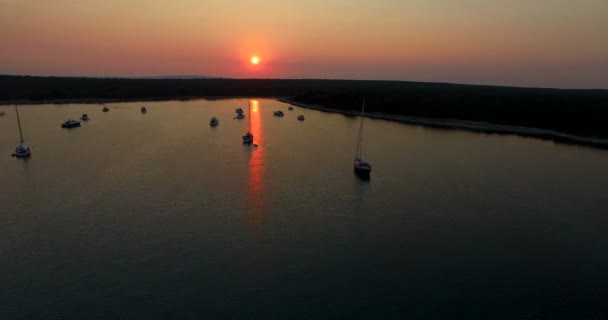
{"points": [[301, 117], [238, 110], [214, 122], [248, 138], [70, 123], [290, 108], [105, 109], [85, 117], [279, 113], [240, 116], [143, 110]]}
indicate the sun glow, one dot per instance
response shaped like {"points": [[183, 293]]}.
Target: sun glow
{"points": [[255, 60]]}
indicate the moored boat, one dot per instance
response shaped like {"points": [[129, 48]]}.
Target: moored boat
{"points": [[85, 117], [143, 110], [279, 113], [362, 168], [22, 150], [214, 122], [301, 117], [70, 123], [248, 138]]}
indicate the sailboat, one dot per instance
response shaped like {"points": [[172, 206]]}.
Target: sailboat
{"points": [[22, 150], [362, 167], [248, 137]]}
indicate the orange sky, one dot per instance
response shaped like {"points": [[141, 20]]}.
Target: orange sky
{"points": [[530, 43]]}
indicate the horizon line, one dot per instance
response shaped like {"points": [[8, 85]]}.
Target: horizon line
{"points": [[205, 77]]}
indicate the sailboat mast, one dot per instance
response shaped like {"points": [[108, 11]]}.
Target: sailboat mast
{"points": [[19, 123], [360, 139]]}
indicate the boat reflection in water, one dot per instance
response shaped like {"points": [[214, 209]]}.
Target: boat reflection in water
{"points": [[255, 183]]}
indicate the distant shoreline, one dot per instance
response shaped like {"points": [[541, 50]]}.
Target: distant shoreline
{"points": [[122, 100], [475, 126], [564, 115]]}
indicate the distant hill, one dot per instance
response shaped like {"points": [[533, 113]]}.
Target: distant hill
{"points": [[175, 77], [580, 112]]}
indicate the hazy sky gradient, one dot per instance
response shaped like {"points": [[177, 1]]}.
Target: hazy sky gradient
{"points": [[551, 43]]}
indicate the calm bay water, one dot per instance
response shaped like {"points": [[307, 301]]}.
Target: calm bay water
{"points": [[160, 216]]}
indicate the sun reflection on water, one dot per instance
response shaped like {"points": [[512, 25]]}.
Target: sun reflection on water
{"points": [[255, 183]]}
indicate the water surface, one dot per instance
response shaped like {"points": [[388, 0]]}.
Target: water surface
{"points": [[160, 216]]}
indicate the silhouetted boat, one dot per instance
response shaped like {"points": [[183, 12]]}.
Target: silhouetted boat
{"points": [[70, 123], [143, 110], [279, 113], [290, 108], [301, 117], [105, 109], [362, 168], [22, 150], [214, 122], [2, 113], [248, 137], [85, 117], [238, 110], [240, 116]]}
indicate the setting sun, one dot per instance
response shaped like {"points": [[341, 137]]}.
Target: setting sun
{"points": [[255, 60]]}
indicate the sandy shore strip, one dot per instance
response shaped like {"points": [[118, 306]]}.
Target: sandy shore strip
{"points": [[476, 126]]}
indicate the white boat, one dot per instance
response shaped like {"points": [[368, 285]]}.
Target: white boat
{"points": [[301, 117], [279, 113], [248, 137], [362, 168], [240, 116], [214, 122], [70, 123], [22, 150], [85, 117], [238, 110]]}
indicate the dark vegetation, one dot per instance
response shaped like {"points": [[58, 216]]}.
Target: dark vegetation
{"points": [[581, 112]]}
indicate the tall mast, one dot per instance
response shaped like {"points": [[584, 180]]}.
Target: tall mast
{"points": [[360, 139], [19, 123]]}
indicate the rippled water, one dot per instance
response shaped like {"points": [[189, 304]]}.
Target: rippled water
{"points": [[160, 216]]}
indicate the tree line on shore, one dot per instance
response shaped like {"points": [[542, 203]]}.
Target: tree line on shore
{"points": [[580, 112]]}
